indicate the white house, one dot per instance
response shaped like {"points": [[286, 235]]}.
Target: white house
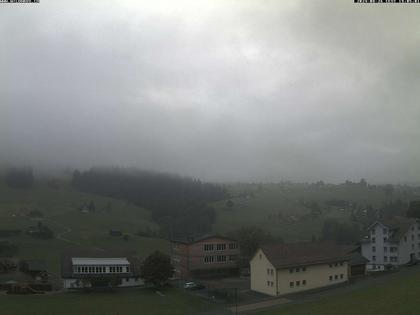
{"points": [[290, 268], [391, 243], [99, 270]]}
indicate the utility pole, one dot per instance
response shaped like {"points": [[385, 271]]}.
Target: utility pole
{"points": [[236, 301]]}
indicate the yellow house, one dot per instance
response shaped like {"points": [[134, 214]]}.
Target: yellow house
{"points": [[290, 268]]}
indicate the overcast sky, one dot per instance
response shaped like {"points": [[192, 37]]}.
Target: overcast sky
{"points": [[220, 90]]}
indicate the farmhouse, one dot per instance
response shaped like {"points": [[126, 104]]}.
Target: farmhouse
{"points": [[90, 270], [204, 257], [290, 268], [392, 242]]}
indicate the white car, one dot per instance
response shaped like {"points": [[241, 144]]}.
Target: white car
{"points": [[193, 285]]}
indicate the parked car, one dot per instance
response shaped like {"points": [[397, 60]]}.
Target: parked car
{"points": [[193, 286]]}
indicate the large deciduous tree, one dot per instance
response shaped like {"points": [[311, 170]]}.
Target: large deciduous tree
{"points": [[157, 269]]}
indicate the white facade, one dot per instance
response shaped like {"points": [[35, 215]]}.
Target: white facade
{"points": [[85, 268], [391, 245]]}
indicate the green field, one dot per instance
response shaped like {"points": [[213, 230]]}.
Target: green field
{"points": [[280, 209], [140, 301], [396, 297], [76, 230]]}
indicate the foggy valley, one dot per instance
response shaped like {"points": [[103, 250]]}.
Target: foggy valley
{"points": [[209, 157]]}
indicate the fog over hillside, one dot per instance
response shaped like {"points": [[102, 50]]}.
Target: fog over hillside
{"points": [[220, 90]]}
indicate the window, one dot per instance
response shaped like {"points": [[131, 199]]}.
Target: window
{"points": [[208, 259], [233, 245], [268, 283], [341, 263], [373, 232], [291, 284], [341, 276], [297, 269], [331, 277], [303, 268], [221, 246], [336, 264], [373, 258], [373, 249], [385, 258], [272, 271], [127, 269], [291, 270], [303, 282], [331, 265], [210, 247], [373, 239], [385, 239], [221, 259], [297, 283], [336, 277], [272, 283]]}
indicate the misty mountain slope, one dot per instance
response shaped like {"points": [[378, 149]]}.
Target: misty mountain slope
{"points": [[298, 211], [66, 212]]}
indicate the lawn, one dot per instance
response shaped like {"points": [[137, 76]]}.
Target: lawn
{"points": [[396, 297], [138, 301], [86, 230]]}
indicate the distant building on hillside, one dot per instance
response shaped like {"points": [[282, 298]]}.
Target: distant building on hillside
{"points": [[391, 243], [36, 268], [97, 269], [290, 268], [204, 257], [114, 232]]}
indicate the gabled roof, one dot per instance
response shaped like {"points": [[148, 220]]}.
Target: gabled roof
{"points": [[34, 265], [198, 238], [399, 225], [107, 261], [308, 253], [67, 260]]}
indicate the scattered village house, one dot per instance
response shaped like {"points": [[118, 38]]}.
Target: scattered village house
{"points": [[204, 257], [37, 268], [100, 270], [392, 242], [290, 268]]}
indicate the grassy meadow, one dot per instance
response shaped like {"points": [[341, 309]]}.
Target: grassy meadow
{"points": [[283, 209], [139, 301], [396, 297], [75, 230]]}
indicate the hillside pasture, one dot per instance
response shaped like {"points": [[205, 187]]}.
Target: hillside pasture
{"points": [[285, 209]]}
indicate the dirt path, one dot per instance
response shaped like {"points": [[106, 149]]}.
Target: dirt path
{"points": [[60, 236]]}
